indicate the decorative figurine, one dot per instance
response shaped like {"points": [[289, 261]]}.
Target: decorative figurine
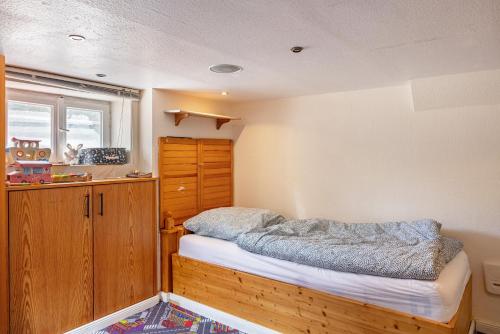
{"points": [[72, 154], [27, 149]]}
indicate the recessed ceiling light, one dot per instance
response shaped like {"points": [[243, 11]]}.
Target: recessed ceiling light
{"points": [[101, 75], [76, 37], [225, 68], [297, 49], [224, 93]]}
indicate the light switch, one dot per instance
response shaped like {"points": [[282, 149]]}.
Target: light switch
{"points": [[492, 276]]}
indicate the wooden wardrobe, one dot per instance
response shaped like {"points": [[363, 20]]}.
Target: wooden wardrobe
{"points": [[195, 175]]}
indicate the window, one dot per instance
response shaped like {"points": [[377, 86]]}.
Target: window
{"points": [[30, 120], [85, 122], [58, 121], [84, 127]]}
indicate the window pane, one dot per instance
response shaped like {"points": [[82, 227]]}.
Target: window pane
{"points": [[85, 127], [30, 121]]}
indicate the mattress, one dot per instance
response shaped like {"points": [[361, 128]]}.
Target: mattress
{"points": [[436, 300]]}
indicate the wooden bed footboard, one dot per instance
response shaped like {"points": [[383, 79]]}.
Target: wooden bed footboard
{"points": [[292, 309]]}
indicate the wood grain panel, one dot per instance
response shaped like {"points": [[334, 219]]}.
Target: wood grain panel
{"points": [[181, 215], [179, 188], [180, 147], [215, 170], [125, 245], [220, 194], [184, 203], [179, 154], [50, 260], [4, 238], [216, 189], [172, 196], [291, 309], [180, 180], [216, 179], [179, 160]]}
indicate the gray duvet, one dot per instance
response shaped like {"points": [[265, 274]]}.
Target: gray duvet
{"points": [[409, 250]]}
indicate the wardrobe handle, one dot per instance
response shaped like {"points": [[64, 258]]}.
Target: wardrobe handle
{"points": [[87, 206], [101, 204]]}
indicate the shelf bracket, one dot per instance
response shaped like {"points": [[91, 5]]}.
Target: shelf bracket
{"points": [[221, 121], [179, 117]]}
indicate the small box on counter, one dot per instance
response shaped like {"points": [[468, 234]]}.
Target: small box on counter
{"points": [[103, 156]]}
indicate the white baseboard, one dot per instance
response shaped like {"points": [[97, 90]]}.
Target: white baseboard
{"points": [[115, 317], [214, 314], [487, 328]]}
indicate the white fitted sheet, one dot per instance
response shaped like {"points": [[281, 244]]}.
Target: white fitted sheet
{"points": [[436, 300]]}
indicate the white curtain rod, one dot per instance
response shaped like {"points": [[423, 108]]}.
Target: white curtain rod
{"points": [[50, 79]]}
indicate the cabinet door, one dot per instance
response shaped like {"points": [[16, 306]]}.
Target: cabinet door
{"points": [[216, 173], [124, 245], [178, 165], [50, 240]]}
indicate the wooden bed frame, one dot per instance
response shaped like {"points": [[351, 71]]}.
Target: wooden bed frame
{"points": [[285, 307]]}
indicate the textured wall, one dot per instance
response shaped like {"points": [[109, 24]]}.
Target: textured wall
{"points": [[367, 156]]}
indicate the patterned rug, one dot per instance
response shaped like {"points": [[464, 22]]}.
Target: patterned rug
{"points": [[167, 318]]}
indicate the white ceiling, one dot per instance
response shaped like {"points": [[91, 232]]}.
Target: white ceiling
{"points": [[350, 44]]}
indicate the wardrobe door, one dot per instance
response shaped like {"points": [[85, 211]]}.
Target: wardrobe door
{"points": [[125, 233], [178, 167], [50, 247], [215, 158]]}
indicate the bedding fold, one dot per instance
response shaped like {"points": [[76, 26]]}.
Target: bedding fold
{"points": [[406, 250]]}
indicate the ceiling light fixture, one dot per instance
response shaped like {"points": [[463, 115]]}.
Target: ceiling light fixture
{"points": [[101, 75], [225, 68], [297, 49], [224, 93], [76, 37]]}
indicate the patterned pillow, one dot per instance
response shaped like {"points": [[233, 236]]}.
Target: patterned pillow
{"points": [[228, 223]]}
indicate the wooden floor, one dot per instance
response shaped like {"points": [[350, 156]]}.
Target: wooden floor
{"points": [[291, 309]]}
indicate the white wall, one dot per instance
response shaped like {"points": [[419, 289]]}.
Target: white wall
{"points": [[367, 156]]}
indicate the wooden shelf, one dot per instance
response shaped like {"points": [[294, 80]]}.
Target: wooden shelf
{"points": [[220, 120]]}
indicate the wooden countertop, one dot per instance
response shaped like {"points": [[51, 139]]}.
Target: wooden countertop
{"points": [[77, 184]]}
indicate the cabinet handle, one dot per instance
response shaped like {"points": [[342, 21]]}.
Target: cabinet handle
{"points": [[101, 206], [87, 206]]}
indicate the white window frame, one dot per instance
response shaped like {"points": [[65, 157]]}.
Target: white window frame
{"points": [[59, 105], [80, 103], [35, 98]]}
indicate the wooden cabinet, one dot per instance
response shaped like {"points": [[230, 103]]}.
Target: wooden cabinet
{"points": [[195, 175], [80, 252], [50, 246], [124, 245]]}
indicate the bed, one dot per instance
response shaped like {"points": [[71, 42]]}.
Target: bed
{"points": [[295, 298]]}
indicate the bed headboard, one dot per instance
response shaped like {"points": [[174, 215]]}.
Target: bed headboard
{"points": [[195, 175]]}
